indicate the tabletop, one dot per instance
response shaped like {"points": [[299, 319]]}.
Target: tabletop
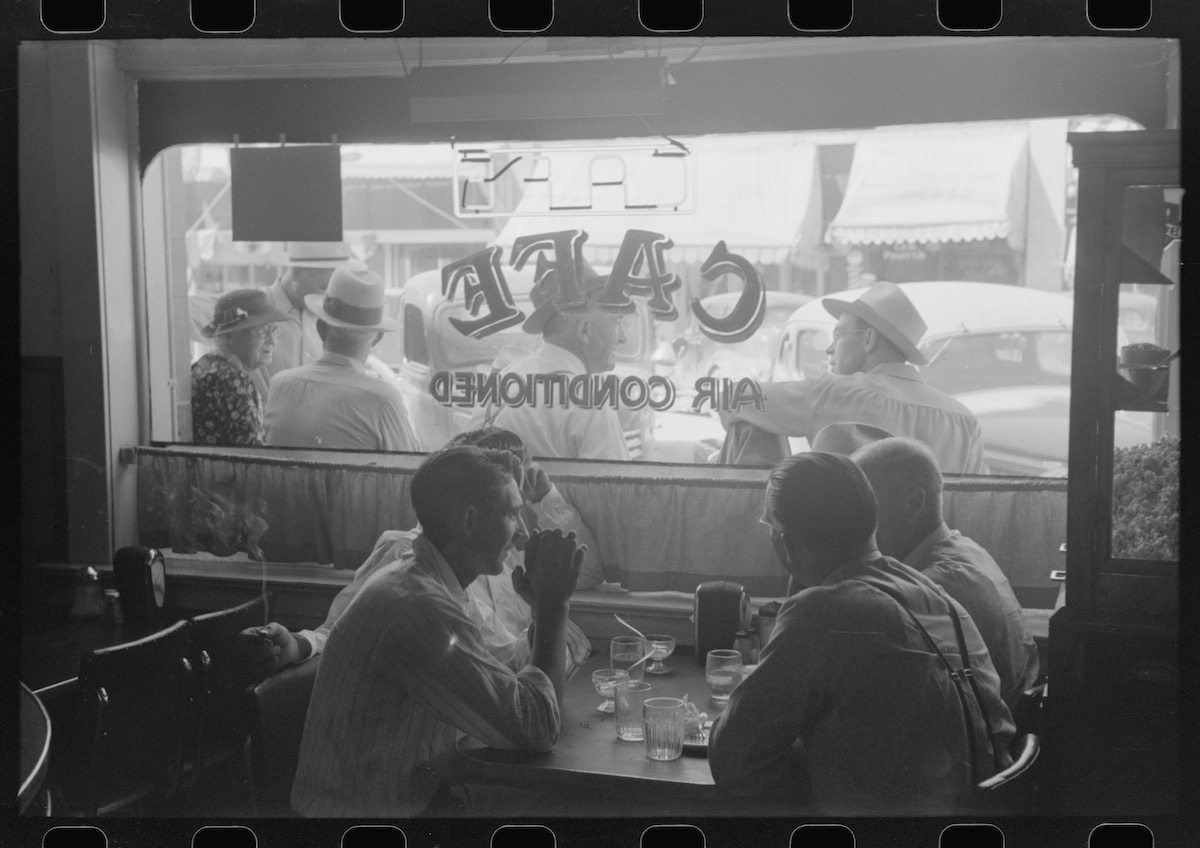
{"points": [[35, 746], [589, 762]]}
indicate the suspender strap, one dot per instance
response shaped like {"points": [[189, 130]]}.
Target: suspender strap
{"points": [[958, 675]]}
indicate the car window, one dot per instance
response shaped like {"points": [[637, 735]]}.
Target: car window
{"points": [[981, 361]]}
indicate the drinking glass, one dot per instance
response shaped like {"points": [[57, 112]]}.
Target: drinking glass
{"points": [[630, 695], [663, 647], [664, 719], [605, 680], [723, 670], [624, 651]]}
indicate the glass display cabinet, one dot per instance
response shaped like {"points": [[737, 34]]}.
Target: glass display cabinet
{"points": [[1112, 702]]}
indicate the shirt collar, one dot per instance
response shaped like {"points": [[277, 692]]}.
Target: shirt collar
{"points": [[921, 552], [427, 552], [561, 359], [342, 360], [903, 370]]}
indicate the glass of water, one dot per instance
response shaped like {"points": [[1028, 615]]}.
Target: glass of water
{"points": [[664, 724], [624, 651], [724, 671], [630, 696]]}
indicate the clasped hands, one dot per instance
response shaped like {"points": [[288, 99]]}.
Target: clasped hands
{"points": [[552, 564]]}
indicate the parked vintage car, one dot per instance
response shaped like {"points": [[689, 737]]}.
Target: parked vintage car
{"points": [[429, 344], [1004, 351]]}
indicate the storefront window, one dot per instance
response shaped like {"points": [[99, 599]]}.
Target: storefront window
{"points": [[999, 345]]}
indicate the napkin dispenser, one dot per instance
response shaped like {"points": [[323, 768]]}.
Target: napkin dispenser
{"points": [[722, 608]]}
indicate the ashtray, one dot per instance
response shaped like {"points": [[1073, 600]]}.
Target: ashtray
{"points": [[696, 743]]}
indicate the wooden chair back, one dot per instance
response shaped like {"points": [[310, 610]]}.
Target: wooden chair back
{"points": [[134, 706]]}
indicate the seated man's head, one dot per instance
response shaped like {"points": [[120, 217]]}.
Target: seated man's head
{"points": [[908, 487], [821, 512], [350, 318], [469, 506], [882, 325], [532, 481], [592, 333]]}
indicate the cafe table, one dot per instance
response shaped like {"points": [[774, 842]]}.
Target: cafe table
{"points": [[590, 772], [35, 746]]}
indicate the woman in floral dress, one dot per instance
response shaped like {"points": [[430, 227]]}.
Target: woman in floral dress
{"points": [[226, 408]]}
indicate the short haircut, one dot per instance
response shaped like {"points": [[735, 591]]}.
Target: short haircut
{"points": [[496, 438], [343, 337], [454, 478], [823, 499], [900, 462]]}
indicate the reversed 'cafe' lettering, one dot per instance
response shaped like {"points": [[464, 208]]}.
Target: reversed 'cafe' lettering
{"points": [[484, 283]]}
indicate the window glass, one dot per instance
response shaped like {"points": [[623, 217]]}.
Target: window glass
{"points": [[998, 310]]}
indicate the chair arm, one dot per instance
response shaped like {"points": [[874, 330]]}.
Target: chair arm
{"points": [[1030, 746]]}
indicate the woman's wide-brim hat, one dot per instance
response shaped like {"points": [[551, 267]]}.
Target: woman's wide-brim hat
{"points": [[242, 309], [354, 300], [321, 254], [887, 308], [546, 289]]}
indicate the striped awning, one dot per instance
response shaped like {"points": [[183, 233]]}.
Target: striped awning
{"points": [[760, 194], [918, 187]]}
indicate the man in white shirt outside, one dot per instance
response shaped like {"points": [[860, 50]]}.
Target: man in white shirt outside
{"points": [[583, 342], [872, 357], [908, 487], [336, 402], [405, 671]]}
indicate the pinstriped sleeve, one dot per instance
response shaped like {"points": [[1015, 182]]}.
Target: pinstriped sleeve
{"points": [[447, 667]]}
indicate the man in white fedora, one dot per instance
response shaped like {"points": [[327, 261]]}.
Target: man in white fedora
{"points": [[305, 270], [874, 381], [337, 402]]}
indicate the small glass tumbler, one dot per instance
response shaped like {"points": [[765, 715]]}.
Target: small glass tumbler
{"points": [[664, 720], [630, 695], [724, 671], [605, 680], [624, 652]]}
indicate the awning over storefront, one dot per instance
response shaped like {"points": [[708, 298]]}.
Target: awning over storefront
{"points": [[760, 194], [935, 186]]}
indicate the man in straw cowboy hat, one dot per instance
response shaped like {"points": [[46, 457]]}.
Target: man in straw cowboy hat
{"points": [[874, 381], [336, 402], [573, 343]]}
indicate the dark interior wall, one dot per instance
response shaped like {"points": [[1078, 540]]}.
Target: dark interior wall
{"points": [[982, 81], [43, 482]]}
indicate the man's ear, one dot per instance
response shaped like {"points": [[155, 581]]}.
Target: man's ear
{"points": [[915, 500], [469, 520]]}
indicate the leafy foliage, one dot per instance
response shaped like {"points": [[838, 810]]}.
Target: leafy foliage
{"points": [[1146, 501]]}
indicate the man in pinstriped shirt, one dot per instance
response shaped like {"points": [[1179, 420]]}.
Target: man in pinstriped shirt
{"points": [[405, 670]]}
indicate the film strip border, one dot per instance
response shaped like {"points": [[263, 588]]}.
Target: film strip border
{"points": [[487, 835], [114, 18]]}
